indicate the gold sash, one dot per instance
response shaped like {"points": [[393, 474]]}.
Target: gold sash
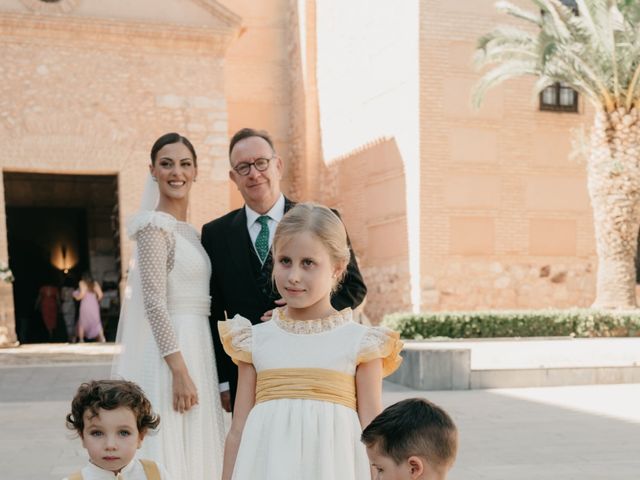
{"points": [[306, 383]]}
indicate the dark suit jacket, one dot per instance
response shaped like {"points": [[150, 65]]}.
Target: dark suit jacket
{"points": [[240, 285]]}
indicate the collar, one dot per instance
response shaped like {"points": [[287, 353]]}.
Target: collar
{"points": [[101, 473], [276, 213]]}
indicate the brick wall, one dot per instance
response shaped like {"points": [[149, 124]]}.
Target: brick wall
{"points": [[260, 67], [90, 96], [506, 220], [368, 188]]}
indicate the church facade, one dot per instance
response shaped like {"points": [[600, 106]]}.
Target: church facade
{"points": [[446, 207]]}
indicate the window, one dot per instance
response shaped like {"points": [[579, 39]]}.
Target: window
{"points": [[559, 98]]}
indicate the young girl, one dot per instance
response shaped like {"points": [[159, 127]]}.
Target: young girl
{"points": [[311, 378], [112, 418]]}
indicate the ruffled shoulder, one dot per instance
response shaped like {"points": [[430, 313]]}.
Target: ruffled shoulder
{"points": [[236, 336], [161, 220], [381, 342]]}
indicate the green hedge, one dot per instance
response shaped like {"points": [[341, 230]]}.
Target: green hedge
{"points": [[516, 323]]}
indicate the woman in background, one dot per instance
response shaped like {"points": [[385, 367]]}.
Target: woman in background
{"points": [[89, 295]]}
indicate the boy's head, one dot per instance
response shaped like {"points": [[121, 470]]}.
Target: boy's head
{"points": [[411, 439], [112, 417]]}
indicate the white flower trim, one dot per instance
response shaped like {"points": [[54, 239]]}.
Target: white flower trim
{"points": [[162, 220]]}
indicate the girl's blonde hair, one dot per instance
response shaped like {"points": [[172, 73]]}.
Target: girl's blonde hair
{"points": [[322, 223]]}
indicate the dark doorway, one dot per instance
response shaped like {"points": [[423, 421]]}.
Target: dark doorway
{"points": [[58, 227]]}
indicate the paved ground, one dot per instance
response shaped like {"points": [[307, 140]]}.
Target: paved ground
{"points": [[560, 433]]}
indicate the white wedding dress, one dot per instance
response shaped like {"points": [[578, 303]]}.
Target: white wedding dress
{"points": [[166, 310]]}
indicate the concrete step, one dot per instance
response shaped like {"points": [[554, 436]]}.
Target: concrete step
{"points": [[58, 353], [520, 362]]}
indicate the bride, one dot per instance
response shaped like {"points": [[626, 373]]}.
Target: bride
{"points": [[164, 328]]}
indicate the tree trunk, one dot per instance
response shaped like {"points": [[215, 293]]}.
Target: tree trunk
{"points": [[614, 188]]}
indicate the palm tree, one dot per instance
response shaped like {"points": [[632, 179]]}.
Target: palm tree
{"points": [[592, 46]]}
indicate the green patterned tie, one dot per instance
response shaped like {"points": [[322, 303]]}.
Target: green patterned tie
{"points": [[262, 240]]}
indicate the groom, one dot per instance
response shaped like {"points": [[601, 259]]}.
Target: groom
{"points": [[239, 243]]}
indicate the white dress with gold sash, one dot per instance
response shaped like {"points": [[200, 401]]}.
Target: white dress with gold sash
{"points": [[304, 424]]}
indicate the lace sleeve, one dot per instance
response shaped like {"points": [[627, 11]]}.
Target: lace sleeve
{"points": [[381, 342], [156, 249], [237, 340]]}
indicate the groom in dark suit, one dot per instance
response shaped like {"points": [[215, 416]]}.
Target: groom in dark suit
{"points": [[238, 245]]}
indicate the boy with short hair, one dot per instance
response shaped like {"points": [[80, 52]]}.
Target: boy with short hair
{"points": [[112, 418], [410, 440]]}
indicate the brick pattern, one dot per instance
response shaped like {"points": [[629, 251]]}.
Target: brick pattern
{"points": [[85, 101], [261, 83], [505, 220], [362, 186], [495, 181]]}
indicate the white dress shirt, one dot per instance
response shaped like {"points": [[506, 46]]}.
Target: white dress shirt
{"points": [[275, 215], [133, 471]]}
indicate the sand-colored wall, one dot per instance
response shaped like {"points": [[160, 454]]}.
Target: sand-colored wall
{"points": [[90, 96], [369, 107], [258, 83], [506, 221], [368, 186]]}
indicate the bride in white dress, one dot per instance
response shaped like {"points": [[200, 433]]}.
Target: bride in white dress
{"points": [[164, 328]]}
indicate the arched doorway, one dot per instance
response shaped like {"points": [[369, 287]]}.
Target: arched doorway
{"points": [[59, 226]]}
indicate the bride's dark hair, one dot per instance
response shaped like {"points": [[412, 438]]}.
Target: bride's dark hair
{"points": [[168, 139]]}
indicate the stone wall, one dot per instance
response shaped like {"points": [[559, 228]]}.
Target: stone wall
{"points": [[368, 188], [261, 79], [506, 221], [464, 284], [482, 209], [90, 96]]}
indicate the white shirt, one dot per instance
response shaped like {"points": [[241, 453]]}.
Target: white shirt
{"points": [[133, 471], [253, 226], [275, 215]]}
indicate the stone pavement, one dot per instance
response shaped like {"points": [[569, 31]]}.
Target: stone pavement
{"points": [[561, 433]]}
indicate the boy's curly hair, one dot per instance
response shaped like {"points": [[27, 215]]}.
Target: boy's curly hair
{"points": [[109, 395]]}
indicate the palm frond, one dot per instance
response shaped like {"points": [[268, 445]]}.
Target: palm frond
{"points": [[504, 37], [509, 8], [577, 70], [556, 24], [505, 71], [597, 51], [580, 86], [633, 85], [587, 21]]}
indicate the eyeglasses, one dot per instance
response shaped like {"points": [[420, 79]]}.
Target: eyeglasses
{"points": [[260, 164]]}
